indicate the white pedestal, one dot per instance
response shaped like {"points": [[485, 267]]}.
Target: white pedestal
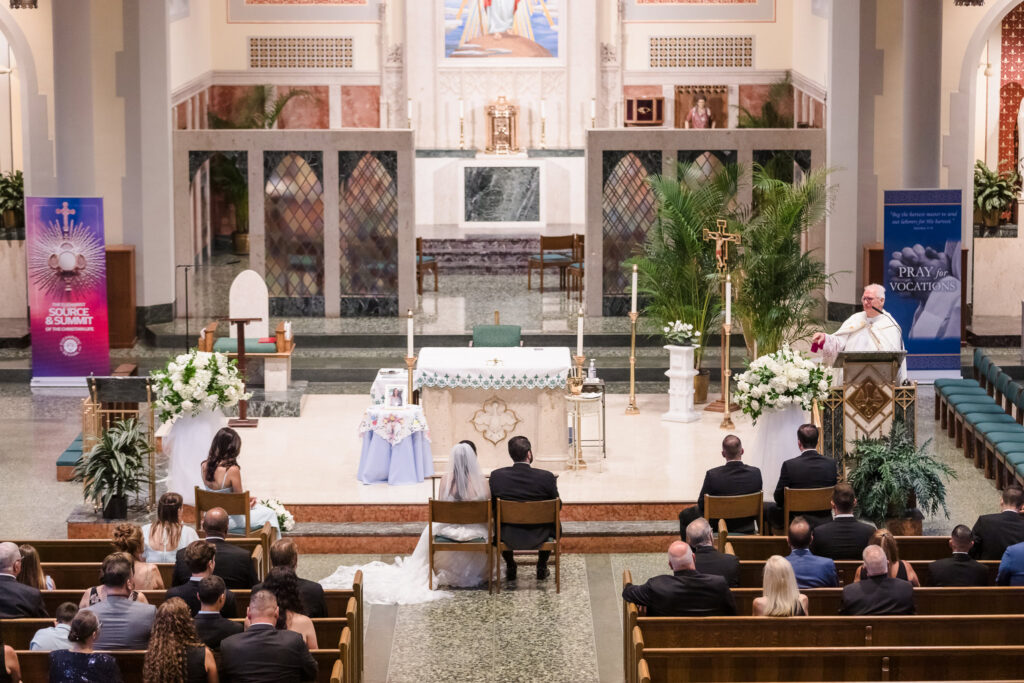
{"points": [[680, 389], [277, 373]]}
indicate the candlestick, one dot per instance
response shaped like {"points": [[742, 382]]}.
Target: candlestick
{"points": [[593, 112], [579, 334], [632, 409], [576, 388], [408, 112], [632, 307], [462, 108], [543, 133], [462, 133], [410, 364], [728, 299], [726, 375], [408, 335]]}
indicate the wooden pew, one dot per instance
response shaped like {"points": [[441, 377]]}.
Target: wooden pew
{"points": [[911, 547], [985, 600], [82, 575], [95, 549], [751, 571]]}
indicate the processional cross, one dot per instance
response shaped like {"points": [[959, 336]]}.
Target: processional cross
{"points": [[721, 236]]}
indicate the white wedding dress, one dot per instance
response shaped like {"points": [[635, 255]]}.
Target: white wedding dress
{"points": [[404, 582]]}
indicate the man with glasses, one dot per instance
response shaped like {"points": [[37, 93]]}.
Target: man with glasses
{"points": [[869, 330]]}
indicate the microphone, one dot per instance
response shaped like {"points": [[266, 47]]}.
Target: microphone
{"points": [[903, 347]]}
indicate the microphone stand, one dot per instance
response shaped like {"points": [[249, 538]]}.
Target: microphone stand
{"points": [[903, 346], [186, 267]]}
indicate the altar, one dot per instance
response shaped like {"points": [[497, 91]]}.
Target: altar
{"points": [[488, 395]]}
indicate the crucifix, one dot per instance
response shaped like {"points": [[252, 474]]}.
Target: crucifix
{"points": [[65, 212], [722, 237]]}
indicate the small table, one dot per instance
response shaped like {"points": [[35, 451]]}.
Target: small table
{"points": [[396, 446]]}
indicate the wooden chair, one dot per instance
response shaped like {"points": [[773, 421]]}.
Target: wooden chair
{"points": [[554, 252], [532, 512], [724, 508], [337, 672], [496, 334], [643, 673], [574, 271], [424, 264], [460, 512], [805, 500]]}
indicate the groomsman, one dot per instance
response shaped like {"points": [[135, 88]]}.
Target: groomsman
{"points": [[809, 470], [734, 478]]}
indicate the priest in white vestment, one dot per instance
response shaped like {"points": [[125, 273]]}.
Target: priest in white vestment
{"points": [[868, 330]]}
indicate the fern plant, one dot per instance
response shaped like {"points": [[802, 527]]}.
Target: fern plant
{"points": [[888, 472], [259, 110], [116, 464], [771, 115]]}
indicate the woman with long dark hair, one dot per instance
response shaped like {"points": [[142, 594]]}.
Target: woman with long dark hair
{"points": [[175, 653], [31, 573], [222, 474], [167, 535], [282, 582]]}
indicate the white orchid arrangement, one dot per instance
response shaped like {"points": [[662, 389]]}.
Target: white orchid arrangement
{"points": [[195, 382], [284, 518], [682, 334], [780, 379]]}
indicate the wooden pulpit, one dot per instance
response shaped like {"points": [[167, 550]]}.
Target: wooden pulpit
{"points": [[867, 401]]}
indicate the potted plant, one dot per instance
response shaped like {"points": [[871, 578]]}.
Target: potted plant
{"points": [[994, 193], [895, 480], [12, 199], [678, 274], [228, 179], [114, 468]]}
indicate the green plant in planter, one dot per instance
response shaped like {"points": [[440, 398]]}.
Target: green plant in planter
{"points": [[116, 465], [677, 269], [12, 199], [888, 473], [994, 192]]}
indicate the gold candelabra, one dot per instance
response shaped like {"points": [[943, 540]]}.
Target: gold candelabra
{"points": [[726, 374], [410, 364], [631, 409], [462, 132], [576, 388]]}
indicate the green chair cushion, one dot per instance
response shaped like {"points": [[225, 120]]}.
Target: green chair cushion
{"points": [[983, 416], [426, 259], [496, 335], [962, 390], [552, 257], [445, 539], [1015, 458], [954, 382], [980, 399], [228, 345]]}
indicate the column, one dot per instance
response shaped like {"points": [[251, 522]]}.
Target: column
{"points": [[922, 66], [72, 75]]}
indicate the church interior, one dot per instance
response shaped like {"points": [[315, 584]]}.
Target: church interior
{"points": [[363, 232]]}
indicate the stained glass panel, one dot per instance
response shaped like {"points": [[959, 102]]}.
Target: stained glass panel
{"points": [[368, 227], [294, 212], [628, 210], [705, 164]]}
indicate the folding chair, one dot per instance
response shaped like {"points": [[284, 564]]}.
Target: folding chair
{"points": [[460, 512], [532, 512]]}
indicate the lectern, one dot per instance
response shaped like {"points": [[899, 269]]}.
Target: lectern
{"points": [[868, 400]]}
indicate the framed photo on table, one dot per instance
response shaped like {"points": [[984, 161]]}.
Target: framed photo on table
{"points": [[394, 395]]}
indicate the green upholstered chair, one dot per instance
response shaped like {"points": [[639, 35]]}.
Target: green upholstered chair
{"points": [[555, 252], [497, 335], [229, 345], [424, 264]]}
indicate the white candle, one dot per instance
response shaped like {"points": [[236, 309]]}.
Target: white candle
{"points": [[728, 302], [543, 109], [409, 336], [579, 334], [593, 108], [462, 108], [408, 113], [633, 293]]}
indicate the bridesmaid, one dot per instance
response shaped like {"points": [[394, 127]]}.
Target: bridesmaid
{"points": [[222, 474]]}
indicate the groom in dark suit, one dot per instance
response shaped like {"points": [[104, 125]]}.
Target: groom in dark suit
{"points": [[523, 483]]}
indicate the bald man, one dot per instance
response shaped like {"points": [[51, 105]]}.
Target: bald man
{"points": [[264, 654], [234, 564], [877, 592], [686, 593]]}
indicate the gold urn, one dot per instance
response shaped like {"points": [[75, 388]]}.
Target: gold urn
{"points": [[502, 127]]}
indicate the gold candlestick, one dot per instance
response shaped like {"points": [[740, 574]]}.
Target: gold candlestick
{"points": [[462, 133], [543, 133], [576, 388], [726, 374], [410, 363], [631, 409]]}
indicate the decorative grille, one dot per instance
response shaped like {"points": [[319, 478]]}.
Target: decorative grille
{"points": [[300, 53], [701, 52]]}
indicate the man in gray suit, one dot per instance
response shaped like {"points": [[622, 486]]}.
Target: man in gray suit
{"points": [[124, 623]]}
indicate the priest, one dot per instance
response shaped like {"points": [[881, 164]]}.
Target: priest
{"points": [[869, 330]]}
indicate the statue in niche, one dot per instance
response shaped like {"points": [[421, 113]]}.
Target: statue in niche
{"points": [[700, 115]]}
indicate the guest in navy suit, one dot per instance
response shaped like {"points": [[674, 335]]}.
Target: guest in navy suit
{"points": [[1011, 567], [811, 571], [734, 478]]}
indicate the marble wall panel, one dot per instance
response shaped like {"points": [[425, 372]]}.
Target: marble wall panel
{"points": [[14, 303], [226, 101], [309, 112], [502, 194], [360, 106], [753, 96], [1011, 76]]}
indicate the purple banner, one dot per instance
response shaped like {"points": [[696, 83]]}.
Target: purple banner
{"points": [[67, 281]]}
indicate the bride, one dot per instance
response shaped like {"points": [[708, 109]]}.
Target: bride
{"points": [[405, 581]]}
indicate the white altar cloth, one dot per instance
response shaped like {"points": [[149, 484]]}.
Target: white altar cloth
{"points": [[512, 367]]}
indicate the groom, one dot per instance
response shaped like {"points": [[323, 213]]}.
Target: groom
{"points": [[523, 483]]}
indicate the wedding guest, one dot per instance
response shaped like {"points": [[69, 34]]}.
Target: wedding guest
{"points": [[167, 535], [960, 569], [1011, 566], [56, 637], [234, 565], [520, 482], [282, 583], [16, 599], [810, 570], [31, 573], [284, 553], [898, 569], [126, 623], [809, 470], [211, 626], [81, 664], [98, 594], [201, 559], [11, 672], [221, 473], [994, 533], [263, 652], [878, 593], [706, 558], [845, 537], [687, 593], [734, 478], [175, 653], [781, 596], [128, 539]]}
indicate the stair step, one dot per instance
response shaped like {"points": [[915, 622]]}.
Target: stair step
{"points": [[622, 528]]}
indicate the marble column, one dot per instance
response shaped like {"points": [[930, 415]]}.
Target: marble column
{"points": [[73, 120], [922, 71]]}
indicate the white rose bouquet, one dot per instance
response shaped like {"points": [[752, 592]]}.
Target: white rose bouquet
{"points": [[197, 381], [284, 518], [780, 379], [682, 334]]}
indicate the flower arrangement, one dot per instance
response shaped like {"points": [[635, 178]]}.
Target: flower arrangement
{"points": [[682, 334], [779, 379], [284, 518], [197, 381]]}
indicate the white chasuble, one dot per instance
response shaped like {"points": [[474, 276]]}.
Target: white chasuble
{"points": [[861, 333]]}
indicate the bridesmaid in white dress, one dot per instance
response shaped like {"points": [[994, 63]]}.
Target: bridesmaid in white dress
{"points": [[405, 581], [167, 535], [221, 473]]}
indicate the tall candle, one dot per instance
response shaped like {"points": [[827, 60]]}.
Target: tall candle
{"points": [[543, 109], [408, 113], [462, 108], [728, 302], [579, 334], [633, 294], [593, 108], [409, 336]]}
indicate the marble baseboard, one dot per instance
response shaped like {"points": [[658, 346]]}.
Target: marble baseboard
{"points": [[571, 512], [404, 545], [359, 513]]}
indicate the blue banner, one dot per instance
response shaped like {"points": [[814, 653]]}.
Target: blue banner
{"points": [[922, 275]]}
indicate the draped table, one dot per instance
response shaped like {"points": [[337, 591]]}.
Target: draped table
{"points": [[396, 446], [490, 394]]}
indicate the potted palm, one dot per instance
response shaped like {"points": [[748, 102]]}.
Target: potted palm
{"points": [[994, 193], [895, 480], [12, 200], [678, 274], [114, 468]]}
